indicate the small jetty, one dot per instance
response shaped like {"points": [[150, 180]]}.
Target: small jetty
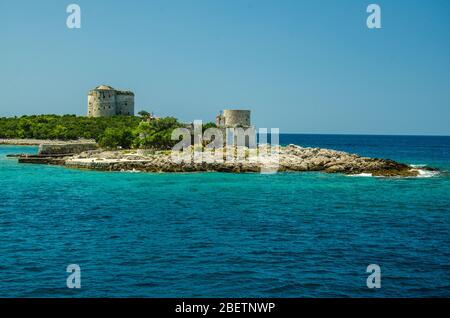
{"points": [[39, 159]]}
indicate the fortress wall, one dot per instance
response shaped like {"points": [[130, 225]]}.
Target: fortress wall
{"points": [[102, 103], [125, 103], [65, 148], [236, 118], [90, 105]]}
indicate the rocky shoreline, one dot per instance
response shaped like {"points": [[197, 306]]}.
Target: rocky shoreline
{"points": [[291, 158]]}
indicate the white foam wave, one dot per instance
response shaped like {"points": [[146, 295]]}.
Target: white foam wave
{"points": [[418, 165], [361, 175], [132, 171], [426, 173]]}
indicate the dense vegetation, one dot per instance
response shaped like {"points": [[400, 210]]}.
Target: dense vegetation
{"points": [[109, 132], [62, 127], [147, 134]]}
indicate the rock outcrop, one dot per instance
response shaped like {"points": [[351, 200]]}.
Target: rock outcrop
{"points": [[316, 159], [291, 158]]}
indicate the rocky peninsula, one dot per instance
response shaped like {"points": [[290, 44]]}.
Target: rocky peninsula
{"points": [[291, 158]]}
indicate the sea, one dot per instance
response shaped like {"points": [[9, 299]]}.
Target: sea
{"points": [[307, 234]]}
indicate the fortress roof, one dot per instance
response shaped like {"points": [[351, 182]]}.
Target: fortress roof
{"points": [[110, 88], [104, 87]]}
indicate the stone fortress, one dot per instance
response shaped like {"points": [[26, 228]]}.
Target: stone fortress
{"points": [[236, 118], [105, 101], [232, 118]]}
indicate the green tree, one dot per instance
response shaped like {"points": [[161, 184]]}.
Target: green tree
{"points": [[209, 125], [144, 113], [111, 132], [114, 138], [157, 134]]}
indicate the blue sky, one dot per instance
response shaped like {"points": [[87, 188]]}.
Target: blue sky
{"points": [[301, 66]]}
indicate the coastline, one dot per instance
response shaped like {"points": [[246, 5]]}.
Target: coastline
{"points": [[83, 154], [292, 158], [37, 142]]}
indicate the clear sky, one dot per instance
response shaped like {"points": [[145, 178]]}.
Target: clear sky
{"points": [[301, 66]]}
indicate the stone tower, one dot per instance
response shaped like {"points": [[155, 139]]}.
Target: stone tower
{"points": [[104, 101], [233, 118]]}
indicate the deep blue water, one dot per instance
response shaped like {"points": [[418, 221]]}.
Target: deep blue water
{"points": [[239, 235]]}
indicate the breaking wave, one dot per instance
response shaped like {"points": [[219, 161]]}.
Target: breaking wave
{"points": [[361, 175], [427, 173]]}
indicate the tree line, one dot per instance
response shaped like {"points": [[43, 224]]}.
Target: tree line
{"points": [[110, 132]]}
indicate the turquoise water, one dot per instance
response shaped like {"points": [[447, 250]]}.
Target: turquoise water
{"points": [[228, 235]]}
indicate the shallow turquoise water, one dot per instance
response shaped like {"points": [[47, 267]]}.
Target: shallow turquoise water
{"points": [[215, 234]]}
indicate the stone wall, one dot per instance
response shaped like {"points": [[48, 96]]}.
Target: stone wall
{"points": [[53, 149], [101, 103], [124, 103]]}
